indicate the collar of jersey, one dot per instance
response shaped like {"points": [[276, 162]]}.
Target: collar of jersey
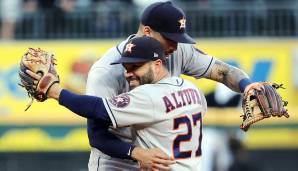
{"points": [[175, 81]]}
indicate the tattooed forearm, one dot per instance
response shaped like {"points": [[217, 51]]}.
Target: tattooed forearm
{"points": [[227, 74]]}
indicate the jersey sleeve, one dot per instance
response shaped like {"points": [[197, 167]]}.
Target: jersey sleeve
{"points": [[135, 107], [105, 80], [195, 62], [100, 84]]}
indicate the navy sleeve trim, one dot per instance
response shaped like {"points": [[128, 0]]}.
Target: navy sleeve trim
{"points": [[117, 47], [243, 83], [141, 139]]}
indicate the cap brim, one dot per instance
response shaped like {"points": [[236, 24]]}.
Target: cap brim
{"points": [[127, 60], [179, 37]]}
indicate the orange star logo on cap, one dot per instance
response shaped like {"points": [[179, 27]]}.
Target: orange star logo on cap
{"points": [[128, 47], [182, 23]]}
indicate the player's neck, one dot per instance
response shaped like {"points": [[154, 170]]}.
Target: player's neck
{"points": [[161, 76], [139, 33]]}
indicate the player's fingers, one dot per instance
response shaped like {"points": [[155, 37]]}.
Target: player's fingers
{"points": [[161, 167], [162, 155], [164, 161], [33, 75]]}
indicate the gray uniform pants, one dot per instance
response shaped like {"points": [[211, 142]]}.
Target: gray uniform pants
{"points": [[101, 162]]}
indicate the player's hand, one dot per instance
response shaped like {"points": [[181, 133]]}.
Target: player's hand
{"points": [[153, 159], [44, 75], [53, 91]]}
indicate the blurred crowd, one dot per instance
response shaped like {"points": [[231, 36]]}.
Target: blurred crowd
{"points": [[113, 18], [17, 11]]}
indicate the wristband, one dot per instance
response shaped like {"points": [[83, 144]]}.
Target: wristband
{"points": [[243, 83]]}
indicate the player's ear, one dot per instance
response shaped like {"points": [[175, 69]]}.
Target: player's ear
{"points": [[147, 31], [158, 62]]}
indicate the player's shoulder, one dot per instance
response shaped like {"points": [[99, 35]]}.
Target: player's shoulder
{"points": [[146, 90], [113, 54], [142, 88], [178, 83], [171, 81], [168, 83], [190, 84], [185, 45], [102, 65], [184, 49]]}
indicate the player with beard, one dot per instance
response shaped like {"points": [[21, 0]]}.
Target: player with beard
{"points": [[166, 23]]}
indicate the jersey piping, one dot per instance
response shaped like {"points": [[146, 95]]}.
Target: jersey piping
{"points": [[177, 85], [207, 67], [143, 141], [109, 110], [117, 47], [130, 37]]}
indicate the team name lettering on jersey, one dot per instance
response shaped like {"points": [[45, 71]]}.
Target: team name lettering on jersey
{"points": [[181, 98]]}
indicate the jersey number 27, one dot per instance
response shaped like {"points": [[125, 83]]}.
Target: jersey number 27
{"points": [[188, 121]]}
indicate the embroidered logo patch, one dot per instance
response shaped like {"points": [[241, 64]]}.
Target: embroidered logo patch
{"points": [[182, 23], [128, 47], [120, 101]]}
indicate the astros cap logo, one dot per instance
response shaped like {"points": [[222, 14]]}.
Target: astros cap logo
{"points": [[128, 47], [182, 22]]}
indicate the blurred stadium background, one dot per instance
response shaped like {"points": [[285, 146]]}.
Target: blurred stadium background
{"points": [[259, 36]]}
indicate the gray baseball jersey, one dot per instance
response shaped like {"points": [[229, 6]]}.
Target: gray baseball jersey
{"points": [[105, 80], [166, 115]]}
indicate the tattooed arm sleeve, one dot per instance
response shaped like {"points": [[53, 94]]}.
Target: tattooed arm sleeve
{"points": [[232, 77]]}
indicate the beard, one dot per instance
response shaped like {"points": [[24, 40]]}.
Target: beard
{"points": [[147, 78]]}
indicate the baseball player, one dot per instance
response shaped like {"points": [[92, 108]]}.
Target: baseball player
{"points": [[165, 112], [166, 23]]}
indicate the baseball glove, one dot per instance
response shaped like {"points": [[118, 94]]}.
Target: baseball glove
{"points": [[261, 101], [43, 64]]}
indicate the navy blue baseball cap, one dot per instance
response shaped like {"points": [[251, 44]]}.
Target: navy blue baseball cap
{"points": [[141, 49], [167, 19]]}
